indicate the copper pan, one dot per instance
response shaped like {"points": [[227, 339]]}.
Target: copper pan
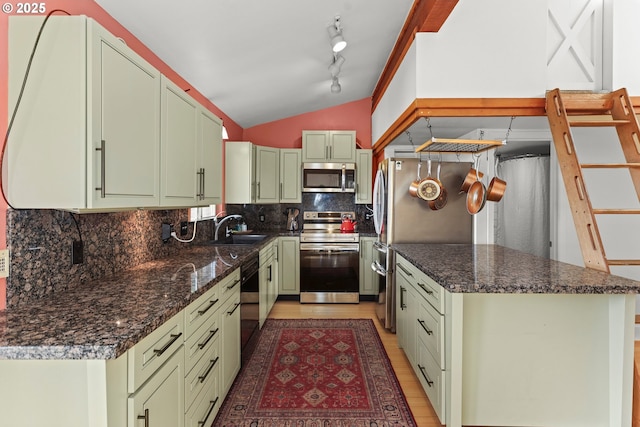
{"points": [[496, 189], [429, 187], [476, 196], [472, 176], [441, 201], [413, 187]]}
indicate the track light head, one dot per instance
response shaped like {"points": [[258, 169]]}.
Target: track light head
{"points": [[335, 86], [335, 66], [335, 32]]}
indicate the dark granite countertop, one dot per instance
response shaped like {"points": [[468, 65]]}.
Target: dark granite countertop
{"points": [[102, 319], [465, 268]]}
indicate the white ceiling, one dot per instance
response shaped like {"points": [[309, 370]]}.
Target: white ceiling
{"points": [[265, 60]]}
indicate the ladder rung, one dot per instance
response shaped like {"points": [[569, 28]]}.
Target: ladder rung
{"points": [[609, 165], [617, 211], [597, 123], [623, 261]]}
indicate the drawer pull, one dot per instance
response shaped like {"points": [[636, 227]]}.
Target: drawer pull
{"points": [[429, 382], [407, 272], [174, 337], [235, 307], [233, 285], [211, 335], [145, 417], [213, 405], [211, 304], [424, 326], [402, 304], [424, 288], [211, 365]]}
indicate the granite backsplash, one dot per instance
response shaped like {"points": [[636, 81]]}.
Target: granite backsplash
{"points": [[40, 241]]}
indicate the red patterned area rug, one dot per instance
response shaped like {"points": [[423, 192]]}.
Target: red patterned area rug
{"points": [[316, 373]]}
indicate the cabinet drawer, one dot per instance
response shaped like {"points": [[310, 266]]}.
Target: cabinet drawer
{"points": [[229, 285], [205, 371], [430, 329], [206, 407], [428, 288], [201, 310], [151, 352], [432, 379], [201, 342]]}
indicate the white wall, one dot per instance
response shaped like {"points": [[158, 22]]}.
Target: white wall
{"points": [[621, 41]]}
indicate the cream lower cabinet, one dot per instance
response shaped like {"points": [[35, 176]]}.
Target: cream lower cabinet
{"points": [[268, 280], [289, 265], [368, 277], [176, 376]]}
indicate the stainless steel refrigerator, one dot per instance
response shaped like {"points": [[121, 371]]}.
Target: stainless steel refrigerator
{"points": [[400, 217]]}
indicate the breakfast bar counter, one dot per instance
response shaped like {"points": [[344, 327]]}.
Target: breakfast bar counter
{"points": [[505, 338]]}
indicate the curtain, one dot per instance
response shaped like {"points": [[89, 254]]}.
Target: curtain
{"points": [[522, 216]]}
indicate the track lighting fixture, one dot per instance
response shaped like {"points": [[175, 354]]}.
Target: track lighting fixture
{"points": [[335, 86], [335, 66], [335, 32]]}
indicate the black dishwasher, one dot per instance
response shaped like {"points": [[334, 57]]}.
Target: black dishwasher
{"points": [[249, 299]]}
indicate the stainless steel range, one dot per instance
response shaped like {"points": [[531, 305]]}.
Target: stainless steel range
{"points": [[329, 259]]}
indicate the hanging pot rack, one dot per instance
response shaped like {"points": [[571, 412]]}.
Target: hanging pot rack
{"points": [[452, 145], [449, 145]]}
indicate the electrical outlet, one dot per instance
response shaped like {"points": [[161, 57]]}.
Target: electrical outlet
{"points": [[4, 263], [77, 252], [166, 232], [184, 228]]}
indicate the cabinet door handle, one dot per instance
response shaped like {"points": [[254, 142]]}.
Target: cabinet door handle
{"points": [[233, 285], [203, 181], [173, 339], [407, 272], [145, 417], [102, 150], [212, 363], [213, 405], [429, 382], [424, 326], [211, 304], [269, 276], [424, 288], [211, 335], [259, 195], [402, 304], [280, 190], [235, 307]]}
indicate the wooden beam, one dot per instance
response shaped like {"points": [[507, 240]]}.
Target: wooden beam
{"points": [[424, 16]]}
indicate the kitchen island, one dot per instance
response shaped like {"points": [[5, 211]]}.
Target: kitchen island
{"points": [[504, 338]]}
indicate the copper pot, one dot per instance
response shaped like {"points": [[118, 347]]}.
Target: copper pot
{"points": [[496, 189], [413, 187], [472, 176], [429, 187], [441, 200]]}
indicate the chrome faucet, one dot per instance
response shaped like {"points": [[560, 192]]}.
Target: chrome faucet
{"points": [[222, 221]]}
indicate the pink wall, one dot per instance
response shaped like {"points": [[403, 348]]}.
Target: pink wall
{"points": [[287, 133], [92, 10]]}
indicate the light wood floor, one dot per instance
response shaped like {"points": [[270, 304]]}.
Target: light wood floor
{"points": [[417, 399]]}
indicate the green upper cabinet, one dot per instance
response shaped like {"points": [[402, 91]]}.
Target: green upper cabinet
{"points": [[290, 175], [267, 174], [364, 183], [328, 146], [209, 159], [179, 144]]}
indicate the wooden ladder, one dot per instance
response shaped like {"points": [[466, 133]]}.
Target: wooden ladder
{"points": [[574, 109]]}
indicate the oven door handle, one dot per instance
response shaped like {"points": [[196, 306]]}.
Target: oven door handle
{"points": [[329, 250], [375, 266]]}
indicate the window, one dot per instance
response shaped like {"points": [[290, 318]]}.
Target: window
{"points": [[202, 213]]}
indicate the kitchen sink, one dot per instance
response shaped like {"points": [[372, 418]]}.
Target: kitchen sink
{"points": [[246, 239]]}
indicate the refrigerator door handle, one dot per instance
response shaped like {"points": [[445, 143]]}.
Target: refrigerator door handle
{"points": [[375, 266]]}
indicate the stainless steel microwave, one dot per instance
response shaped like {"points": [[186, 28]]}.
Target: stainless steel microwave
{"points": [[329, 177]]}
